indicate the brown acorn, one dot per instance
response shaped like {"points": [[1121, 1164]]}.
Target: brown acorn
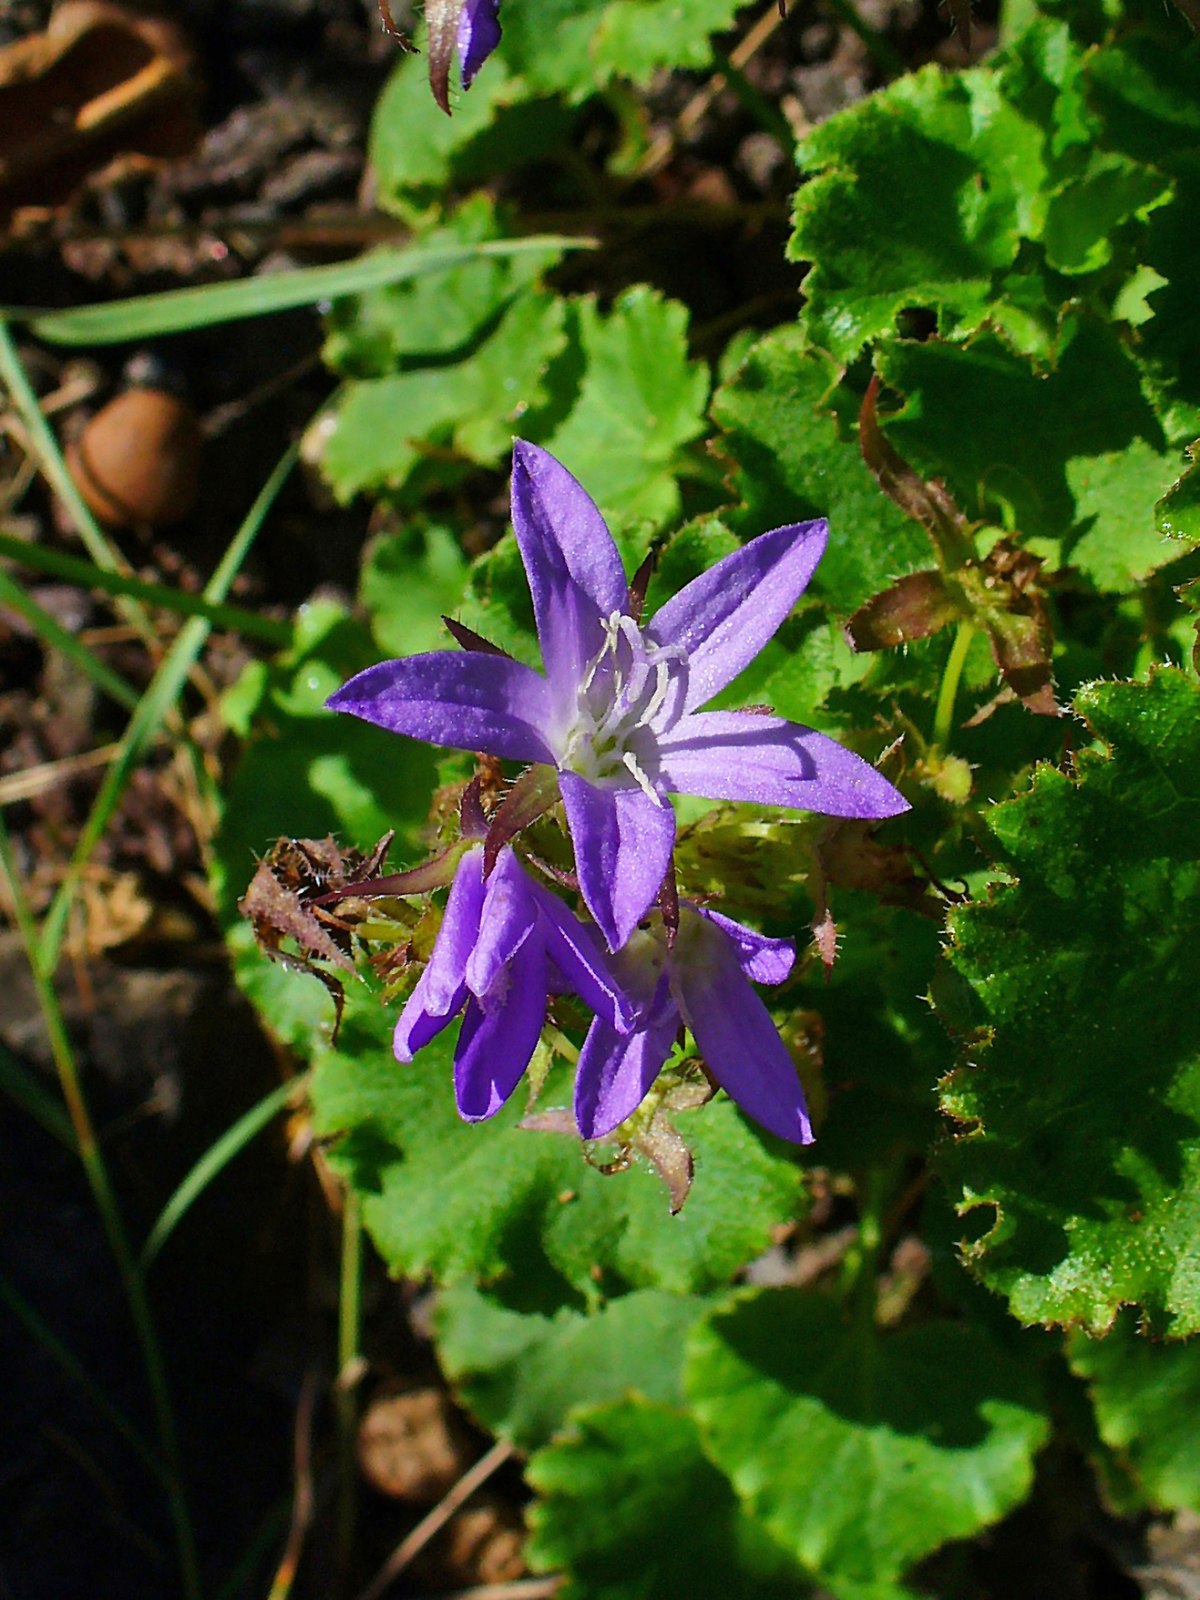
{"points": [[137, 462]]}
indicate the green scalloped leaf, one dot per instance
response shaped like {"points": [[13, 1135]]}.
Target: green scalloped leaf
{"points": [[439, 315], [410, 579], [579, 46], [614, 395], [942, 168], [394, 434], [861, 1451], [521, 1372], [1147, 1398], [418, 153], [1080, 1074], [640, 400], [1169, 341], [1145, 88], [1084, 214], [458, 1201], [1178, 512], [631, 1510], [1074, 455], [793, 462]]}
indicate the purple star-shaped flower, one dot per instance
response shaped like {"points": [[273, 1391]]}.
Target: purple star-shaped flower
{"points": [[700, 981], [617, 710], [503, 946]]}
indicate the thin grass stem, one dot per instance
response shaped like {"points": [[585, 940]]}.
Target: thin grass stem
{"points": [[58, 564], [152, 709], [40, 1330], [50, 459], [52, 632], [214, 1160], [26, 1090], [104, 1197], [346, 1391], [204, 305]]}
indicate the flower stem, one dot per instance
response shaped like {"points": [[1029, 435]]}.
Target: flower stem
{"points": [[110, 1216], [943, 716]]}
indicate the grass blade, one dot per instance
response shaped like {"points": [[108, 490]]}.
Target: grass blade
{"points": [[91, 1158], [158, 700], [149, 316], [53, 1345], [26, 1089], [57, 564], [52, 632], [215, 1159], [50, 458]]}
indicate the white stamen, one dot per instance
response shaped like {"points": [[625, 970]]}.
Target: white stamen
{"points": [[635, 679], [643, 782]]}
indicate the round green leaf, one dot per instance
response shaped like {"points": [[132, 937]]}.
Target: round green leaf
{"points": [[794, 461], [521, 1372], [1147, 1399], [861, 1452], [631, 1510]]}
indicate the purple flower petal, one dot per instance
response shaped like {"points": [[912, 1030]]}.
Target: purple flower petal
{"points": [[735, 1035], [724, 617], [622, 841], [578, 957], [508, 918], [616, 1071], [765, 960], [478, 36], [469, 702], [446, 970], [736, 755], [417, 1025], [575, 574], [441, 989], [496, 1042]]}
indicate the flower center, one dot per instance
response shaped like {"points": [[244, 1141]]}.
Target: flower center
{"points": [[632, 688]]}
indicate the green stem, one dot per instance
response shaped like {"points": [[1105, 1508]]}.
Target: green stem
{"points": [[27, 1089], [943, 715], [859, 1272], [349, 1329], [765, 112], [57, 564], [106, 1204]]}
